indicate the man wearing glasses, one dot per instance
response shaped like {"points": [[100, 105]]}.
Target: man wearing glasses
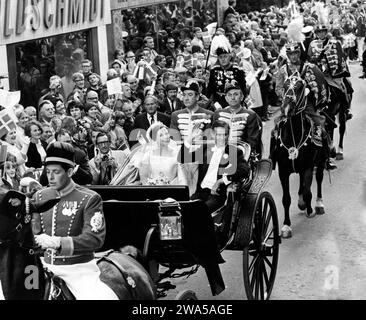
{"points": [[106, 161], [170, 49], [130, 61]]}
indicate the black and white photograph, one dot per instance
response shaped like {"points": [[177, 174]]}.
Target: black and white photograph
{"points": [[163, 151]]}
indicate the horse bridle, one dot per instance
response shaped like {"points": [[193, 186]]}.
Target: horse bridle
{"points": [[22, 221], [294, 150], [303, 98]]}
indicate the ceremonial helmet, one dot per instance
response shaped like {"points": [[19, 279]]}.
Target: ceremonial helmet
{"points": [[292, 47], [321, 27]]}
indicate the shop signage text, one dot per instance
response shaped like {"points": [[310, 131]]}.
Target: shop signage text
{"points": [[22, 20], [127, 4]]}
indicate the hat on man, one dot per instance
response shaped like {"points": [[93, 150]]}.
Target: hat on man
{"points": [[60, 153], [232, 85], [191, 85]]}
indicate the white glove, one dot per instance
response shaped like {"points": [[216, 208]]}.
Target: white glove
{"points": [[47, 242]]}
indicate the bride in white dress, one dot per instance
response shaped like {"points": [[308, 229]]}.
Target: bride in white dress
{"points": [[154, 162]]}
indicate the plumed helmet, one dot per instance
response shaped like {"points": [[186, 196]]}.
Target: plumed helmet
{"points": [[321, 27], [292, 47], [232, 85], [191, 85], [220, 45]]}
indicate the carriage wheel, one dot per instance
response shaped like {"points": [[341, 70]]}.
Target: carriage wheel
{"points": [[260, 257], [186, 295]]}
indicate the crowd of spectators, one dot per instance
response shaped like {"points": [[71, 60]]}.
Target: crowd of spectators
{"points": [[76, 107]]}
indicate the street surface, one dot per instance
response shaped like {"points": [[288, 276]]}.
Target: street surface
{"points": [[326, 257]]}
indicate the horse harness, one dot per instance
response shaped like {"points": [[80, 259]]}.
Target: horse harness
{"points": [[293, 152]]}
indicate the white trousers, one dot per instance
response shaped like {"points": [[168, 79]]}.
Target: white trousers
{"points": [[360, 47], [83, 280]]}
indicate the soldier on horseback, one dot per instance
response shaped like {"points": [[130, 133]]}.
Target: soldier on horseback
{"points": [[316, 99], [327, 53]]}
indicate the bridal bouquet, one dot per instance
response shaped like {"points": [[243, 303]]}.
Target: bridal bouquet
{"points": [[158, 181]]}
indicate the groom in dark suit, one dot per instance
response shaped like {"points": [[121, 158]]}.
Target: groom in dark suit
{"points": [[220, 164]]}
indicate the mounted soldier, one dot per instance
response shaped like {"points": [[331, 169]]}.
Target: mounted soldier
{"points": [[73, 230], [316, 96], [327, 53]]}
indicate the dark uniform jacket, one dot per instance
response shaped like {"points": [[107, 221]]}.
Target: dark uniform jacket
{"points": [[78, 219], [245, 125], [219, 77]]}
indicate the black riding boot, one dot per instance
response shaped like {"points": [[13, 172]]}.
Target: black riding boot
{"points": [[329, 161]]}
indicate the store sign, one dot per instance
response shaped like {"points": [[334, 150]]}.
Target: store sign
{"points": [[23, 20], [126, 4]]}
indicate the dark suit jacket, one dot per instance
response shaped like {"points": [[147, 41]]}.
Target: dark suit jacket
{"points": [[165, 106], [82, 176], [232, 164], [142, 121], [34, 158]]}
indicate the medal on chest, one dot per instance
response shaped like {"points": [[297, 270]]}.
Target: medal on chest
{"points": [[69, 208]]}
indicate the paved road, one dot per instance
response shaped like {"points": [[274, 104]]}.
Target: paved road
{"points": [[326, 258]]}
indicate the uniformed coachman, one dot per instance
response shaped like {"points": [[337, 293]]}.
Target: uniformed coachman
{"points": [[73, 230]]}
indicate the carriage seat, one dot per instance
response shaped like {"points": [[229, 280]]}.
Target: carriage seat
{"points": [[141, 193]]}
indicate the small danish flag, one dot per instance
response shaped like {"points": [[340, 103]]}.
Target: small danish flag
{"points": [[6, 123]]}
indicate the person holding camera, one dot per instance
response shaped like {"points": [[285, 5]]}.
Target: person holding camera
{"points": [[106, 161]]}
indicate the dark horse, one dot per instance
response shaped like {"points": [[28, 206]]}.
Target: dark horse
{"points": [[340, 101], [21, 272], [295, 152]]}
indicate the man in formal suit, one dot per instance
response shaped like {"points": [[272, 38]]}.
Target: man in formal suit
{"points": [[171, 103], [145, 120], [220, 164]]}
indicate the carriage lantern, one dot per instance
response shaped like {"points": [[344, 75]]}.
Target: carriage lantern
{"points": [[170, 220]]}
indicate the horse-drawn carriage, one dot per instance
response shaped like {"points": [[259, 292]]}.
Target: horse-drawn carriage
{"points": [[173, 232]]}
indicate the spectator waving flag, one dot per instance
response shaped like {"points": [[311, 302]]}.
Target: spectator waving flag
{"points": [[7, 124]]}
